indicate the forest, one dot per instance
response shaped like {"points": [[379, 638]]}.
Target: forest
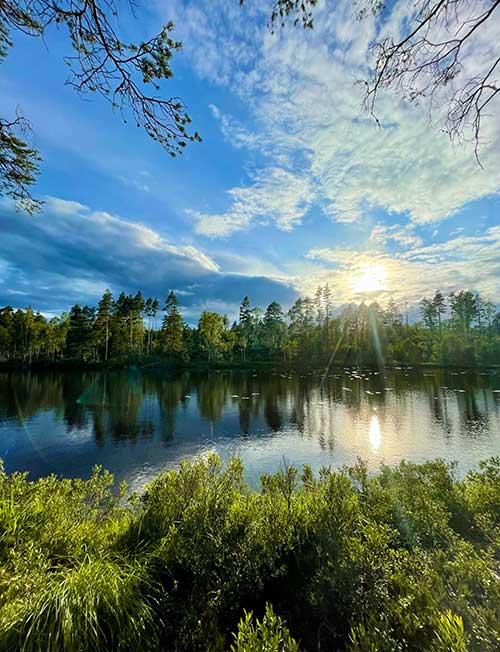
{"points": [[459, 329]]}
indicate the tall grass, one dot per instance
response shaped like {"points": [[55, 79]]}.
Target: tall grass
{"points": [[92, 606], [407, 559]]}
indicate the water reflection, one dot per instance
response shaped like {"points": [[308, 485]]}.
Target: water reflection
{"points": [[374, 433], [137, 423]]}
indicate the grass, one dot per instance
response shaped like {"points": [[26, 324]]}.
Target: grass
{"points": [[404, 560]]}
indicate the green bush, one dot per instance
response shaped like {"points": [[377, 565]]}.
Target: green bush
{"points": [[404, 560]]}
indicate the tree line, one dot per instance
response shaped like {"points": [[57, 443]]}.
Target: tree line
{"points": [[461, 328]]}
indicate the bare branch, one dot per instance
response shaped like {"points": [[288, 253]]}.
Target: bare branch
{"points": [[427, 63], [421, 66]]}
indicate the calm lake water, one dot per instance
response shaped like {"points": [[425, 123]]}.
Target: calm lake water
{"points": [[137, 423]]}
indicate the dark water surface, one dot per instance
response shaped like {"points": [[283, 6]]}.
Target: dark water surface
{"points": [[138, 423]]}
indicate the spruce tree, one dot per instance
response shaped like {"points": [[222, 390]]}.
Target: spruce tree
{"points": [[172, 330]]}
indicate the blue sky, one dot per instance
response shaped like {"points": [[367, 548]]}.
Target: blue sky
{"points": [[292, 186]]}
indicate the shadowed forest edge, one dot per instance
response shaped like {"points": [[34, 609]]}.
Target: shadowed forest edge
{"points": [[462, 329]]}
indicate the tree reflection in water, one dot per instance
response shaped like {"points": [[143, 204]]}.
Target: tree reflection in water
{"points": [[404, 412]]}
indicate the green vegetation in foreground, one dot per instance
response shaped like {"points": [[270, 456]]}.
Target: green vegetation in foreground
{"points": [[406, 560]]}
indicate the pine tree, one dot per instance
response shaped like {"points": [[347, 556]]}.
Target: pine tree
{"points": [[103, 318], [81, 338], [327, 302], [172, 330], [318, 300], [439, 303], [274, 325], [245, 331], [136, 321], [429, 313]]}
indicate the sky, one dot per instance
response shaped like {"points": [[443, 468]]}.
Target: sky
{"points": [[293, 186]]}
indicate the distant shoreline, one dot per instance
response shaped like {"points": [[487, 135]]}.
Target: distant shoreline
{"points": [[75, 365]]}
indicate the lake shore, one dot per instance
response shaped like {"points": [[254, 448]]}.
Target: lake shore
{"points": [[255, 365]]}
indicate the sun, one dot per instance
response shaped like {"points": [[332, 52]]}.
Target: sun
{"points": [[370, 278]]}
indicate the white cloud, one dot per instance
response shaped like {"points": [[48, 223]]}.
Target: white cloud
{"points": [[344, 258], [236, 134], [471, 262], [301, 88], [63, 207], [245, 264], [481, 248], [215, 35], [277, 195], [404, 166], [215, 111], [135, 182], [400, 235]]}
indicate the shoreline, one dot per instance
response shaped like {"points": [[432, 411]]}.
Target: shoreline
{"points": [[74, 365]]}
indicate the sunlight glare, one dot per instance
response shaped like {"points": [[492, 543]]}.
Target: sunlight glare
{"points": [[371, 278], [374, 434]]}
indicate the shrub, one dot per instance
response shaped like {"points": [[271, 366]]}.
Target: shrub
{"points": [[404, 560], [268, 635]]}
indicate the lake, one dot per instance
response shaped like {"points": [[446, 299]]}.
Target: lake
{"points": [[139, 423]]}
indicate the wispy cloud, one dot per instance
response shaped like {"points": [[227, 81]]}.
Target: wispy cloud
{"points": [[276, 196], [403, 236], [138, 181], [471, 262], [302, 91], [235, 133]]}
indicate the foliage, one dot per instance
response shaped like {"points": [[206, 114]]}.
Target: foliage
{"points": [[270, 635], [18, 162], [462, 329], [213, 334], [403, 560], [172, 330], [62, 586]]}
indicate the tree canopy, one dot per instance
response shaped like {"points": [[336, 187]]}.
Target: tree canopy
{"points": [[462, 328]]}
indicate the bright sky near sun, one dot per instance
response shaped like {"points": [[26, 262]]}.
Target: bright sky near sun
{"points": [[293, 185]]}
